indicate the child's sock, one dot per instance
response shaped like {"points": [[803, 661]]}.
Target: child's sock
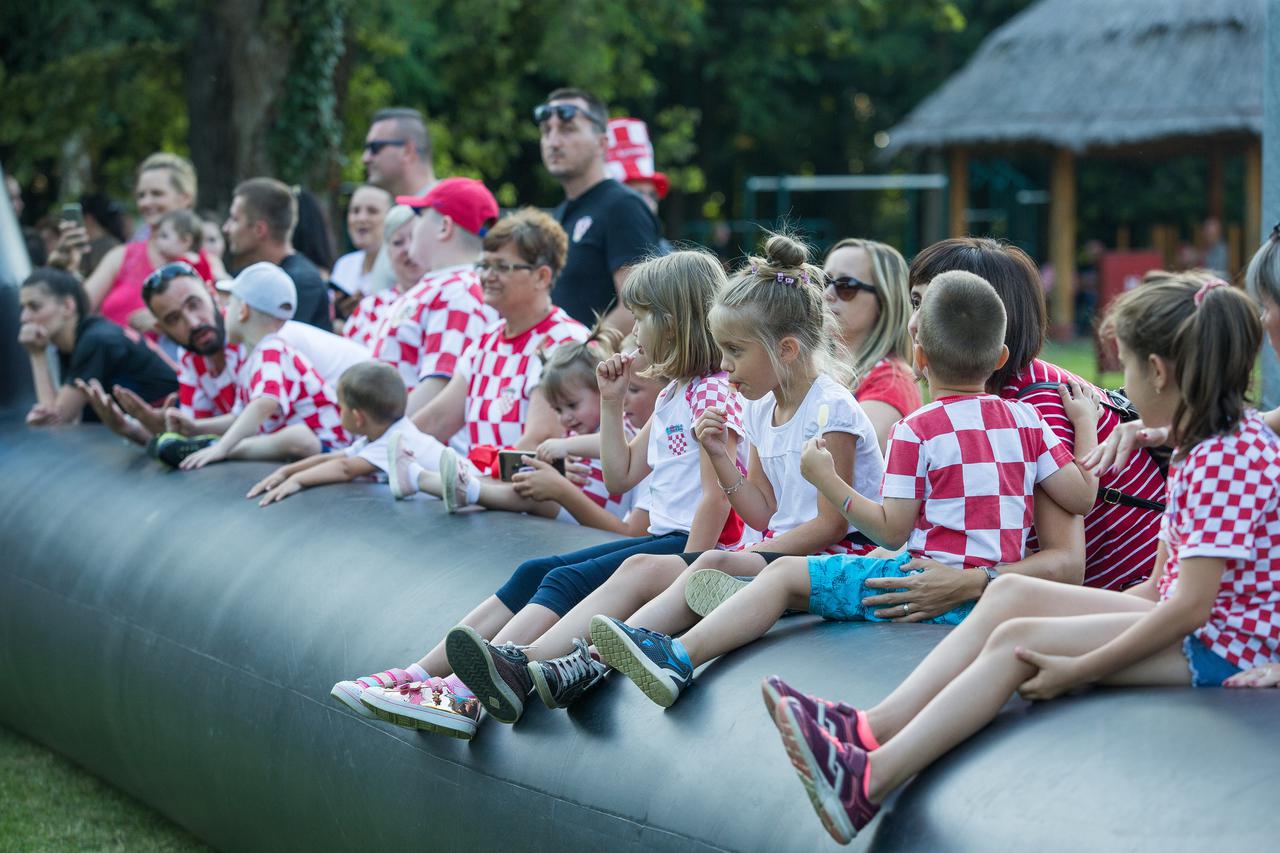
{"points": [[864, 731], [457, 688], [418, 673], [681, 652], [473, 491], [415, 472]]}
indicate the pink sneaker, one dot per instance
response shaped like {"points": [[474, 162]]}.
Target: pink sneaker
{"points": [[834, 774], [843, 722], [348, 692], [425, 705], [399, 460], [455, 476]]}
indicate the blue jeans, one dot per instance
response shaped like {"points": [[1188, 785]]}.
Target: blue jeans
{"points": [[1208, 669], [836, 587], [559, 582]]}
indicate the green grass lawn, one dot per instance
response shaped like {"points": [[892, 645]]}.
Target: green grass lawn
{"points": [[1078, 357], [48, 803]]}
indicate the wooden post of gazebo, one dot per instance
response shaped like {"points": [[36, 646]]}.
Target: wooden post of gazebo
{"points": [[1062, 241], [1252, 197], [958, 181]]}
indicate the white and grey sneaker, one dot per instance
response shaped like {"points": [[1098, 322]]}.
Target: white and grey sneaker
{"points": [[561, 681], [707, 589]]}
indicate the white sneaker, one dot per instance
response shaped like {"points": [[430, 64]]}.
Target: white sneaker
{"points": [[399, 461], [455, 477]]}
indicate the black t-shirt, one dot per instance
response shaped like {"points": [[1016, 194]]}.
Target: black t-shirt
{"points": [[609, 227], [106, 353], [313, 294]]}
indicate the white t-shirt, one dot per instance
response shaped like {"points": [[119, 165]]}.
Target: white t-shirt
{"points": [[779, 448], [426, 450], [348, 273], [328, 353]]}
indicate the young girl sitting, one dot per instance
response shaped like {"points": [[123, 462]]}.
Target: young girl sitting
{"points": [[1210, 608], [568, 384], [670, 298], [773, 327]]}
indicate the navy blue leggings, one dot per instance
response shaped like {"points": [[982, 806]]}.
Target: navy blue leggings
{"points": [[558, 583]]}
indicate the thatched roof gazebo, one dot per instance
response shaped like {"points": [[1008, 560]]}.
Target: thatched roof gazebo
{"points": [[1076, 77]]}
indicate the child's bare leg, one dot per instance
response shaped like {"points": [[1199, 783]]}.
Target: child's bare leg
{"points": [[636, 581], [782, 586], [1009, 597], [487, 619], [670, 613], [975, 696], [529, 624], [292, 442], [495, 494]]}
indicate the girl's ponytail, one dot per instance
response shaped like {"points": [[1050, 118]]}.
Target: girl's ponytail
{"points": [[1210, 333], [574, 361]]}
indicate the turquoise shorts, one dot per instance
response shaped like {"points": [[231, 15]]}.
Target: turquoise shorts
{"points": [[1208, 669], [836, 587]]}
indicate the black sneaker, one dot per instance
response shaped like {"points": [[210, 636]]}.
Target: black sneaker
{"points": [[172, 447], [561, 681], [498, 675]]}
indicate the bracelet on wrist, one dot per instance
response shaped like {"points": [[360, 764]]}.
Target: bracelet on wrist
{"points": [[742, 478]]}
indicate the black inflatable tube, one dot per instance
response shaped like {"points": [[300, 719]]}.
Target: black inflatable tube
{"points": [[180, 642]]}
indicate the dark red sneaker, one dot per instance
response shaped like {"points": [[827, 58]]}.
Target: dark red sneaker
{"points": [[838, 718], [833, 773]]}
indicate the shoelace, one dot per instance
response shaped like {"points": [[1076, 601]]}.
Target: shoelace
{"points": [[578, 665], [510, 649]]}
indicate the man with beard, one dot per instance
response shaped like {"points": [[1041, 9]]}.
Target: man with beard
{"points": [[610, 227], [184, 310]]}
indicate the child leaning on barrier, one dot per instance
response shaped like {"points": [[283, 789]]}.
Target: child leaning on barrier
{"points": [[958, 484], [1210, 608], [372, 399]]}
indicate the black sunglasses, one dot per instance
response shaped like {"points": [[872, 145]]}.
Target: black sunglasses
{"points": [[847, 286], [157, 280], [564, 112], [375, 146]]}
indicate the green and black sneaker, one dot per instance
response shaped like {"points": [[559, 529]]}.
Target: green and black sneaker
{"points": [[172, 447]]}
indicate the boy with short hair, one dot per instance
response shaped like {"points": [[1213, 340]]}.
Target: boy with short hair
{"points": [[285, 409], [958, 484], [178, 236], [372, 399]]}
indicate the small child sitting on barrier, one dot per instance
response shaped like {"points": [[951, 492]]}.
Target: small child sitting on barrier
{"points": [[285, 408], [372, 399]]}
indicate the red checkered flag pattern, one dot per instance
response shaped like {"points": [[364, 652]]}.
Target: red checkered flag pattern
{"points": [[974, 462], [428, 329], [502, 373], [365, 321], [275, 370], [1224, 502], [203, 393]]}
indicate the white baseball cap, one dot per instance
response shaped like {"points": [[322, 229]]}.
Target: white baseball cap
{"points": [[264, 287]]}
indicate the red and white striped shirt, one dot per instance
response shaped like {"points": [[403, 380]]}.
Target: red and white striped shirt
{"points": [[276, 370], [203, 393], [367, 319], [428, 329], [1224, 503], [503, 372], [1119, 541]]}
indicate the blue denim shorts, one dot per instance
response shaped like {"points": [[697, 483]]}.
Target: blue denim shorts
{"points": [[836, 587], [1208, 669]]}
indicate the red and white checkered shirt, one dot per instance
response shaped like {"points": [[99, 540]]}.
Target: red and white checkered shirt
{"points": [[203, 393], [974, 462], [285, 375], [1224, 501], [1119, 541], [366, 320], [502, 373], [429, 328], [617, 505]]}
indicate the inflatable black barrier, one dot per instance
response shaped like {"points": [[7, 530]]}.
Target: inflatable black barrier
{"points": [[180, 642]]}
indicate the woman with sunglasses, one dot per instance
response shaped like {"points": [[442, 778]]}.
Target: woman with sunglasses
{"points": [[867, 291], [55, 320], [165, 182]]}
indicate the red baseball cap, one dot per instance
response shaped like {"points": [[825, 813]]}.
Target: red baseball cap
{"points": [[466, 201]]}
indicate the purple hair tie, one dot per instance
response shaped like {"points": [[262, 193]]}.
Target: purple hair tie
{"points": [[788, 280]]}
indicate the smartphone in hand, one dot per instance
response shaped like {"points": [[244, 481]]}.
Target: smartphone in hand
{"points": [[511, 461]]}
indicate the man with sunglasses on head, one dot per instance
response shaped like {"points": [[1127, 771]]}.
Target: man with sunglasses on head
{"points": [[610, 227], [207, 364]]}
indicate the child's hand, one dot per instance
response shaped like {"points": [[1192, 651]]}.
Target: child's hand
{"points": [[553, 449], [613, 374], [1057, 674], [179, 422], [710, 432], [280, 492], [1127, 437], [816, 463], [42, 415], [269, 482], [543, 483], [1267, 675], [578, 473], [1081, 404], [209, 455]]}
